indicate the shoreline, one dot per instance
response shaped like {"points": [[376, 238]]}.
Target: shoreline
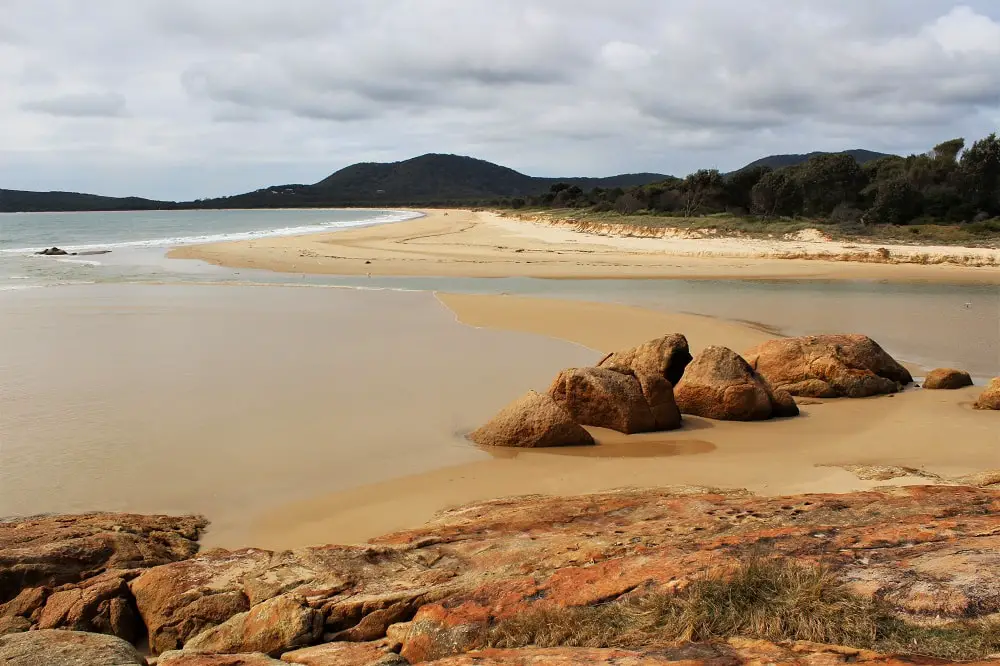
{"points": [[466, 243], [803, 454]]}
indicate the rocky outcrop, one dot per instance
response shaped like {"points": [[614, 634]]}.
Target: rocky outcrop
{"points": [[532, 421], [72, 572], [271, 627], [731, 653], [990, 398], [719, 384], [608, 399], [53, 251], [344, 654], [66, 648], [828, 366], [947, 379], [192, 658], [665, 357]]}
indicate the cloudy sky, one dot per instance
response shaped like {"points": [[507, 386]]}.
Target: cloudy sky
{"points": [[193, 98]]}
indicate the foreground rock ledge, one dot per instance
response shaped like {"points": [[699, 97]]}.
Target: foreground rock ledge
{"points": [[432, 593]]}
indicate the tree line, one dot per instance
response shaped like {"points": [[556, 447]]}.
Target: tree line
{"points": [[950, 184]]}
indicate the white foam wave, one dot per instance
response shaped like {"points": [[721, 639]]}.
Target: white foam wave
{"points": [[82, 262], [396, 216]]}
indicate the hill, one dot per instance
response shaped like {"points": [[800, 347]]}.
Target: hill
{"points": [[779, 161], [20, 201], [429, 179]]}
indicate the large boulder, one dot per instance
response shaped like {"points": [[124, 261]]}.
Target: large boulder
{"points": [[66, 648], [990, 398], [720, 384], [71, 571], [828, 366], [666, 357], [947, 379], [534, 420], [603, 398], [272, 627]]}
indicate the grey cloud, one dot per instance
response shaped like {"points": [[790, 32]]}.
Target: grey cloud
{"points": [[555, 87], [80, 105]]}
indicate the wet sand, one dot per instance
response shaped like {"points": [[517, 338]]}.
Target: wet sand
{"points": [[934, 430], [462, 243], [229, 401]]}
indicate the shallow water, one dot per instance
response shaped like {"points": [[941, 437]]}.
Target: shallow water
{"points": [[229, 400]]}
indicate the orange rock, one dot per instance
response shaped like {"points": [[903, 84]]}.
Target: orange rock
{"points": [[990, 398], [664, 357], [604, 398], [271, 627], [532, 421], [338, 654], [66, 648], [719, 384], [190, 658], [947, 378], [828, 366]]}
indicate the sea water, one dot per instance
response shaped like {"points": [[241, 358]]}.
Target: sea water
{"points": [[137, 240]]}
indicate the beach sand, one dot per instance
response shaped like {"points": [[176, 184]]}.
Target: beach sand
{"points": [[934, 430], [463, 243]]}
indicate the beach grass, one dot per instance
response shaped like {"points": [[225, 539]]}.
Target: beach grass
{"points": [[762, 598]]}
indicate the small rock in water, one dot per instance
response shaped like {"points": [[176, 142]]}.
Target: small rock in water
{"points": [[53, 251]]}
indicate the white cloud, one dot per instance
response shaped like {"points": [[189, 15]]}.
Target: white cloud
{"points": [[223, 94]]}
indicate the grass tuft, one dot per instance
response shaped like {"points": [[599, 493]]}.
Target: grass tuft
{"points": [[763, 598]]}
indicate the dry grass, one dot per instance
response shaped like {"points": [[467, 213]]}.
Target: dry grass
{"points": [[764, 598]]}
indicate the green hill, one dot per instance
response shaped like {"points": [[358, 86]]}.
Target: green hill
{"points": [[780, 161], [16, 201]]}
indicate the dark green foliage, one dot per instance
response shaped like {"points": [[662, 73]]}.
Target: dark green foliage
{"points": [[856, 188], [14, 201]]}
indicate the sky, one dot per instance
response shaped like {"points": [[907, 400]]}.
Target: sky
{"points": [[183, 99]]}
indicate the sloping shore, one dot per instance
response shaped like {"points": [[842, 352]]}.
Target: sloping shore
{"points": [[462, 243]]}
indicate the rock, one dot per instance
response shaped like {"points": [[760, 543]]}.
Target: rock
{"points": [[719, 384], [70, 571], [784, 404], [603, 398], [659, 395], [928, 551], [192, 658], [66, 648], [532, 421], [339, 654], [990, 398], [947, 378], [731, 653], [272, 627], [828, 366], [665, 357], [53, 251], [102, 605]]}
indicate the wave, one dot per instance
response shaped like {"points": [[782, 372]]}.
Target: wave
{"points": [[82, 262], [398, 216]]}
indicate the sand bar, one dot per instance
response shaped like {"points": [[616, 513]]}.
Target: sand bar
{"points": [[462, 243], [936, 431]]}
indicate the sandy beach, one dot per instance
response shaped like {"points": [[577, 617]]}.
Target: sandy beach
{"points": [[463, 243]]}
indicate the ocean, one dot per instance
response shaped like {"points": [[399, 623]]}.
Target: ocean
{"points": [[138, 240]]}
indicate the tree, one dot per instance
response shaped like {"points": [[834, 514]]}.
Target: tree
{"points": [[980, 174], [896, 202], [776, 194], [738, 187], [698, 189], [947, 151], [628, 204], [828, 181]]}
